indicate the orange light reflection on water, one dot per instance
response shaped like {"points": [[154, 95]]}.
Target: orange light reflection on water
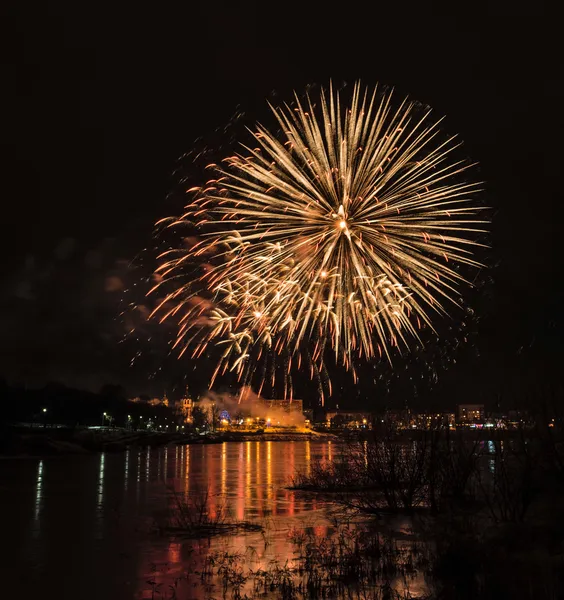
{"points": [[186, 463], [223, 470], [242, 467], [269, 476], [250, 480]]}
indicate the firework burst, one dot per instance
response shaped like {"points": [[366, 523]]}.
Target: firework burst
{"points": [[342, 232]]}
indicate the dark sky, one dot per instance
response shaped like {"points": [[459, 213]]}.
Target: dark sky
{"points": [[99, 100]]}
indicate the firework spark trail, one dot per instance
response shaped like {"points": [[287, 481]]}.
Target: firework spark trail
{"points": [[343, 232]]}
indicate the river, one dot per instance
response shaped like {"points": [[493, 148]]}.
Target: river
{"points": [[81, 527]]}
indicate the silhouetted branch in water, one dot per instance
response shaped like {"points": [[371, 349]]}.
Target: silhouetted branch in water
{"points": [[191, 517]]}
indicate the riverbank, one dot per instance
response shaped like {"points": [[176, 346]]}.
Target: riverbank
{"points": [[266, 436], [49, 441], [40, 442]]}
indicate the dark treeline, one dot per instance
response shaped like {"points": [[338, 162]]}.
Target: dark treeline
{"points": [[57, 404]]}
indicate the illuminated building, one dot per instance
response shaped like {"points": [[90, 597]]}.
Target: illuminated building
{"points": [[184, 408], [469, 414], [432, 420]]}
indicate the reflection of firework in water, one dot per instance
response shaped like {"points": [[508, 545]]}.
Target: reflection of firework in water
{"points": [[342, 233]]}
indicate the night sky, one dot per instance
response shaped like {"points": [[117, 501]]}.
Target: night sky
{"points": [[100, 102]]}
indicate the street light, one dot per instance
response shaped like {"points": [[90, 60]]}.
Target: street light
{"points": [[44, 410]]}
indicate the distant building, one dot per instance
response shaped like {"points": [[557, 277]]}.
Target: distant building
{"points": [[397, 419], [184, 408], [449, 418], [514, 419], [348, 419], [470, 413], [432, 420], [319, 416]]}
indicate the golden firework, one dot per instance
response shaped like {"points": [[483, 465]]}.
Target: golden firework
{"points": [[342, 232]]}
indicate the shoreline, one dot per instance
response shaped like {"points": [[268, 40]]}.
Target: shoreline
{"points": [[42, 443]]}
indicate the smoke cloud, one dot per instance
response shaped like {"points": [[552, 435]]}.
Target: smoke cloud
{"points": [[249, 404]]}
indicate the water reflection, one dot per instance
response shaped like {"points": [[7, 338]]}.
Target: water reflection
{"points": [[126, 473], [101, 480], [223, 469], [38, 490], [138, 482], [186, 469], [269, 473], [491, 453], [242, 468], [109, 502], [248, 475]]}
